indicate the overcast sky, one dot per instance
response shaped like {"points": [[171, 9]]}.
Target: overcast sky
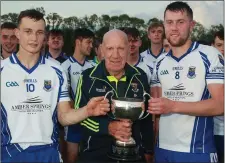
{"points": [[206, 12]]}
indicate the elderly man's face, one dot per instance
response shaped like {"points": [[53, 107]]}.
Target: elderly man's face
{"points": [[115, 50]]}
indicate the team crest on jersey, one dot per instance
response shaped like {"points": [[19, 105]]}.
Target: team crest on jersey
{"points": [[191, 72], [221, 59], [134, 87], [47, 85]]}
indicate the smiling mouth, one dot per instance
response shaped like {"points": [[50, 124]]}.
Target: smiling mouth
{"points": [[33, 45], [9, 46]]}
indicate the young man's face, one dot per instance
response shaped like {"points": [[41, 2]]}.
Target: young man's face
{"points": [[98, 52], [135, 44], [86, 45], [31, 34], [219, 44], [55, 42], [155, 34], [178, 27], [8, 40]]}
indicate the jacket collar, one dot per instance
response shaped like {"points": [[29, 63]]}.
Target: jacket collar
{"points": [[100, 71]]}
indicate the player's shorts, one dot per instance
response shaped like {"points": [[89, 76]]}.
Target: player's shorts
{"points": [[219, 142], [72, 133], [163, 156], [32, 154]]}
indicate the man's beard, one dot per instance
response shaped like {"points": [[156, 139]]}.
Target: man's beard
{"points": [[180, 42]]}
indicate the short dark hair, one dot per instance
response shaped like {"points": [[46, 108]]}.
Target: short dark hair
{"points": [[156, 24], [8, 25], [30, 13], [204, 42], [55, 32], [132, 32], [81, 33], [122, 28], [219, 34], [97, 42], [179, 6]]}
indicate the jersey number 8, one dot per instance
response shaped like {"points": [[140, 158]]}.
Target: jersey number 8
{"points": [[177, 75]]}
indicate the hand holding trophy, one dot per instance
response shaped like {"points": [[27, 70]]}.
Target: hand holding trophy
{"points": [[126, 111]]}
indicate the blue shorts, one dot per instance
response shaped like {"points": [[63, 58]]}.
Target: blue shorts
{"points": [[35, 154], [162, 155], [73, 133]]}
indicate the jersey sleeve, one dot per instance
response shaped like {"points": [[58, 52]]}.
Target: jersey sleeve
{"points": [[63, 89], [215, 68], [155, 82]]}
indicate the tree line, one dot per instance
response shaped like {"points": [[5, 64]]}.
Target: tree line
{"points": [[101, 24]]}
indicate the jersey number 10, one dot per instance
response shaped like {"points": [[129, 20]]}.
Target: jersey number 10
{"points": [[30, 87]]}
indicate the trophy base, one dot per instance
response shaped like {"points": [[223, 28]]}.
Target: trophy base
{"points": [[123, 152]]}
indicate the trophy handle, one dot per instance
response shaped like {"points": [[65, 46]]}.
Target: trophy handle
{"points": [[145, 94], [111, 102]]}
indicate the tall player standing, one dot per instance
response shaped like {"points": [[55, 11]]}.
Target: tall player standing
{"points": [[36, 86], [190, 78], [74, 66]]}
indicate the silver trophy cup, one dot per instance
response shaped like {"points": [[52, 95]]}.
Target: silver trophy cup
{"points": [[126, 108]]}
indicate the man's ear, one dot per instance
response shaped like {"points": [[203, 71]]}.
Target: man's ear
{"points": [[193, 23]]}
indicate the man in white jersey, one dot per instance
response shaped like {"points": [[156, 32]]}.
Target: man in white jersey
{"points": [[155, 35], [8, 40], [134, 57], [55, 41], [218, 43], [97, 48], [74, 66], [190, 78], [30, 95], [136, 60]]}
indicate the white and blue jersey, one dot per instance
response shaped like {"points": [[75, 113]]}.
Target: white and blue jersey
{"points": [[149, 57], [73, 71], [29, 98], [186, 79], [147, 68]]}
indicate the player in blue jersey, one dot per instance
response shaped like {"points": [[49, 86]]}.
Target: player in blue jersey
{"points": [[74, 66], [190, 79], [55, 41], [8, 40], [32, 87], [98, 54], [155, 35], [134, 59], [218, 43]]}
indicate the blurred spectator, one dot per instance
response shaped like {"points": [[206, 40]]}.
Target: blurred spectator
{"points": [[9, 40], [218, 41]]}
